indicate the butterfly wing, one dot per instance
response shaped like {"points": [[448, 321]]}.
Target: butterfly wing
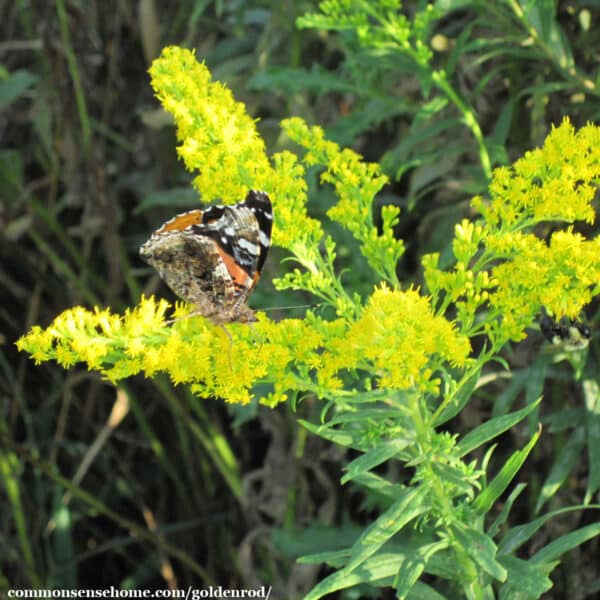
{"points": [[213, 258], [243, 236]]}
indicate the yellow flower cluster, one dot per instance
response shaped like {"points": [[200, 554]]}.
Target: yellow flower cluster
{"points": [[220, 141], [294, 227], [400, 340], [356, 184], [502, 263], [552, 183], [97, 338], [397, 337], [563, 276], [218, 138], [503, 273]]}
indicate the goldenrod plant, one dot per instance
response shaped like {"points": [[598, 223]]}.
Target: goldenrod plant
{"points": [[392, 368]]}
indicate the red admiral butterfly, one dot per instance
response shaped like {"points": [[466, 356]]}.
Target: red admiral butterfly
{"points": [[213, 258]]}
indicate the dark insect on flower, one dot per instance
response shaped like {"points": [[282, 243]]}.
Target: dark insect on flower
{"points": [[567, 333]]}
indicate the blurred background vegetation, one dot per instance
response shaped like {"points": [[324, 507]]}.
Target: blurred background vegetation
{"points": [[146, 485]]}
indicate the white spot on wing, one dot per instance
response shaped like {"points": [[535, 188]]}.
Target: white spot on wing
{"points": [[264, 239], [249, 246]]}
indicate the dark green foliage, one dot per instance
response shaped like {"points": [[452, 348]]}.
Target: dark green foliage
{"points": [[88, 168]]}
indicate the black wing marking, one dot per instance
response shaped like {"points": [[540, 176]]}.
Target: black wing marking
{"points": [[243, 231]]}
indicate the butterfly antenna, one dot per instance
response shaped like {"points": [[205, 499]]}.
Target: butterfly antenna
{"points": [[271, 308]]}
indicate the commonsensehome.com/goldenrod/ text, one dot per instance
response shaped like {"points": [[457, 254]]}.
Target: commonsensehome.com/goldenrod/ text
{"points": [[113, 593]]}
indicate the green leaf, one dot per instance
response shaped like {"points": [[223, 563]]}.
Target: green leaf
{"points": [[376, 569], [509, 395], [481, 549], [536, 377], [11, 176], [412, 568], [518, 535], [368, 113], [492, 428], [292, 81], [15, 85], [456, 477], [378, 414], [420, 141], [503, 122], [378, 485], [496, 487], [10, 477], [375, 456], [428, 110], [541, 16], [524, 578], [342, 438], [566, 543], [299, 542], [592, 402], [502, 518], [568, 458], [409, 505], [422, 591], [459, 399], [459, 48], [63, 547], [565, 419], [381, 570], [544, 89], [334, 558]]}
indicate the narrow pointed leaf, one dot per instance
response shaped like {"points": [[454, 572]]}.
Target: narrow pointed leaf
{"points": [[524, 578], [520, 534], [375, 457], [496, 488], [555, 549], [592, 402], [409, 506], [481, 549], [568, 458], [413, 567], [492, 428]]}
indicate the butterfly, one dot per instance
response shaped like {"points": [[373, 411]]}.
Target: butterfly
{"points": [[213, 258]]}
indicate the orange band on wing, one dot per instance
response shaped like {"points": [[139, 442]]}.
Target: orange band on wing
{"points": [[238, 274], [180, 222]]}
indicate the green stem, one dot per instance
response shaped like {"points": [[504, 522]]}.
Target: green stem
{"points": [[86, 130], [441, 500], [8, 474], [468, 117], [570, 73]]}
